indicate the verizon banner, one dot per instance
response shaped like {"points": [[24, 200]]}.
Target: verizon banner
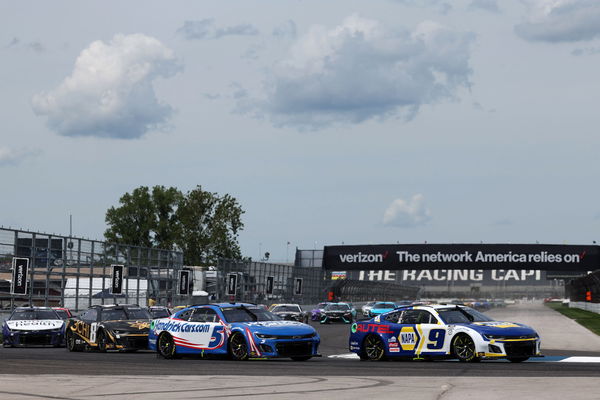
{"points": [[547, 257], [117, 279], [20, 269], [184, 282]]}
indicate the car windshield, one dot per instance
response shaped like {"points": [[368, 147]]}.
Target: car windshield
{"points": [[337, 307], [462, 315], [286, 309], [321, 305], [22, 315], [116, 314], [248, 314], [159, 313], [384, 305], [62, 314]]}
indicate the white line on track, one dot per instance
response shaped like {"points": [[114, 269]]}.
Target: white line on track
{"points": [[354, 356]]}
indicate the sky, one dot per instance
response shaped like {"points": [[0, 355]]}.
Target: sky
{"points": [[342, 121]]}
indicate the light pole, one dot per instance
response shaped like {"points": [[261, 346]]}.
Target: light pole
{"points": [[287, 253]]}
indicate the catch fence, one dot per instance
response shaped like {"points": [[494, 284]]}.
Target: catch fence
{"points": [[76, 273], [584, 292]]}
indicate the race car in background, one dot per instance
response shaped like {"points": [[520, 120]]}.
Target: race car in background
{"points": [[158, 312], [442, 331], [337, 312], [290, 312], [381, 307], [237, 330], [315, 314], [367, 307], [33, 326], [109, 327]]}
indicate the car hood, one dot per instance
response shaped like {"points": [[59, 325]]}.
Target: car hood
{"points": [[35, 325], [502, 328], [278, 327], [287, 313], [139, 326], [381, 310]]}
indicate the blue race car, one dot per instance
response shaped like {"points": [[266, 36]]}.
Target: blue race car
{"points": [[33, 326], [442, 331], [237, 330], [381, 307]]}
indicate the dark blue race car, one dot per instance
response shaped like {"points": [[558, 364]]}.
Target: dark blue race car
{"points": [[33, 326], [442, 331], [238, 330]]}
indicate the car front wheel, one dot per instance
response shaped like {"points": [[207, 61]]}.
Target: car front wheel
{"points": [[238, 348], [71, 341], [463, 347], [373, 348], [165, 346]]}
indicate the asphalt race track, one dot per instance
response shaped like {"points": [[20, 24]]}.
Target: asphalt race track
{"points": [[333, 342]]}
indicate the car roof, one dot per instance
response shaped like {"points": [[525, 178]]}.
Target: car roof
{"points": [[32, 308], [289, 305]]}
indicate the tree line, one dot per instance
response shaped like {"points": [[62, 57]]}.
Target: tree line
{"points": [[203, 225]]}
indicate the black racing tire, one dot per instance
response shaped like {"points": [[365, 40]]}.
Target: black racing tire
{"points": [[303, 358], [463, 348], [238, 348], [517, 359], [102, 341], [374, 349], [165, 346], [71, 342]]}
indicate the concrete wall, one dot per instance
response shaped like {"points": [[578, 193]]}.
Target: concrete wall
{"points": [[593, 307]]}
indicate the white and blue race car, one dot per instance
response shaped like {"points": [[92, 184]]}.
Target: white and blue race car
{"points": [[33, 326], [442, 331], [237, 330]]}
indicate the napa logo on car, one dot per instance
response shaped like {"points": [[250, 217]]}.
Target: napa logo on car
{"points": [[408, 338]]}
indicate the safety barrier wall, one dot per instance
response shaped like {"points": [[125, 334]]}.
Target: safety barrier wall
{"points": [[584, 292]]}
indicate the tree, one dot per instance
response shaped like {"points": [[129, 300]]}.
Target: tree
{"points": [[210, 225], [204, 225]]}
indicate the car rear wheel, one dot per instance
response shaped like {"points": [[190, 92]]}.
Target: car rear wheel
{"points": [[463, 348], [517, 359], [373, 348], [238, 348], [165, 346], [71, 342], [102, 341]]}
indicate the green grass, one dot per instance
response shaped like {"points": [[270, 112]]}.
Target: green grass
{"points": [[584, 318]]}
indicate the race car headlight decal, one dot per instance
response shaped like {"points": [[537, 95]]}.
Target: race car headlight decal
{"points": [[263, 336]]}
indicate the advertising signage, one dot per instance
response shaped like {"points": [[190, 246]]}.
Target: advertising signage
{"points": [[547, 257]]}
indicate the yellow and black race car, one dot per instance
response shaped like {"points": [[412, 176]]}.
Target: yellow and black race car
{"points": [[109, 327]]}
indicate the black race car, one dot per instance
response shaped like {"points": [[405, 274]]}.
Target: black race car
{"points": [[290, 312], [109, 327], [159, 312]]}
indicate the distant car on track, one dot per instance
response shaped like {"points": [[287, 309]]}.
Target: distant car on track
{"points": [[442, 331], [315, 314], [159, 312], [290, 312], [381, 307], [33, 326], [237, 330], [109, 327], [63, 313], [367, 307], [337, 312]]}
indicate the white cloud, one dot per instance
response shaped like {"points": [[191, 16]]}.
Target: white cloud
{"points": [[206, 29], [485, 5], [286, 29], [110, 92], [442, 6], [561, 20], [407, 214], [9, 156], [361, 70]]}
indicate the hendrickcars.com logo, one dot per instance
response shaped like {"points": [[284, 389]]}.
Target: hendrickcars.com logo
{"points": [[363, 258]]}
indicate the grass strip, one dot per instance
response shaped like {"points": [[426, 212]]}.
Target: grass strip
{"points": [[588, 319]]}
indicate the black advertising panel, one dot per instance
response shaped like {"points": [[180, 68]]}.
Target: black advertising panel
{"points": [[231, 284], [117, 279], [297, 286], [549, 257], [184, 282], [270, 284], [20, 272]]}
